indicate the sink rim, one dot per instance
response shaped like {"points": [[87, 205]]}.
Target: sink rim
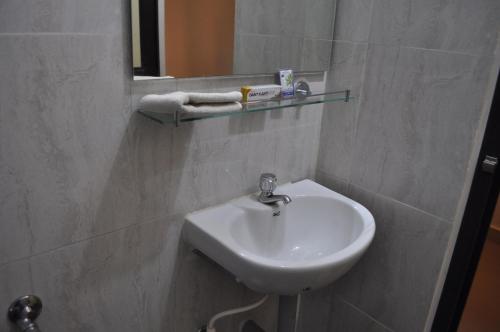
{"points": [[224, 238]]}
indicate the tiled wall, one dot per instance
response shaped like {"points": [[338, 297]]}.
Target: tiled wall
{"points": [[274, 34], [421, 70], [92, 195]]}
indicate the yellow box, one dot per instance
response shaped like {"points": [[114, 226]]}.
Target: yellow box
{"points": [[260, 92]]}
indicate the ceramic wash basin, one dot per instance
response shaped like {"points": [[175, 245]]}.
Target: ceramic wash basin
{"points": [[284, 249]]}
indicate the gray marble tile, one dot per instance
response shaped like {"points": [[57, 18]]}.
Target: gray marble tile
{"points": [[151, 146], [347, 66], [315, 312], [335, 315], [296, 152], [287, 18], [228, 168], [287, 313], [395, 279], [189, 189], [143, 278], [65, 165], [293, 18], [291, 52], [333, 183], [206, 185], [339, 119], [258, 16], [319, 19], [462, 26], [417, 121], [109, 283], [256, 54], [352, 21], [346, 317], [202, 289], [15, 281], [316, 54], [177, 174], [33, 16]]}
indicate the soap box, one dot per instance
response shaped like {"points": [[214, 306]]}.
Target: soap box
{"points": [[260, 92], [286, 81]]}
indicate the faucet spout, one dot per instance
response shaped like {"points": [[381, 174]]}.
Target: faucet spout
{"points": [[271, 199], [268, 183]]}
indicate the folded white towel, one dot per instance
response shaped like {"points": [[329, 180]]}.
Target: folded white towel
{"points": [[207, 109], [210, 98], [192, 102], [167, 103]]}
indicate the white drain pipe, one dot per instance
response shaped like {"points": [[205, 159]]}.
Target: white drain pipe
{"points": [[211, 323]]}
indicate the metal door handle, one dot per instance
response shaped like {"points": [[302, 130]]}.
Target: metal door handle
{"points": [[24, 311], [489, 164]]}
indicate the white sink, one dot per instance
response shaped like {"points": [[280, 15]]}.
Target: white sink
{"points": [[284, 249]]}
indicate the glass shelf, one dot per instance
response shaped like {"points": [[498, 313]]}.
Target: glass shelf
{"points": [[252, 107]]}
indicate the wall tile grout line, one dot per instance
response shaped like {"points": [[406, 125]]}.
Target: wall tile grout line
{"points": [[167, 218], [364, 313], [277, 36], [437, 50], [389, 198]]}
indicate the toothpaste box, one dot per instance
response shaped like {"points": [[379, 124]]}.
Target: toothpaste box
{"points": [[260, 92], [286, 81]]}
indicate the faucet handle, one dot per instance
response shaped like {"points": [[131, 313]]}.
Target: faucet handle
{"points": [[268, 182]]}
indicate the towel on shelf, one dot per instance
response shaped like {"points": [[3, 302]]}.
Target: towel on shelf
{"points": [[207, 109], [192, 102], [167, 103], [214, 97]]}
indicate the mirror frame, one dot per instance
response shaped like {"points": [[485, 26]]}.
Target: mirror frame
{"points": [[148, 25]]}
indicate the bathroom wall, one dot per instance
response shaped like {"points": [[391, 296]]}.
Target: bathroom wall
{"points": [[420, 71], [283, 34], [93, 195]]}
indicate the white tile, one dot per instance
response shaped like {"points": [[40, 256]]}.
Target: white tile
{"points": [[33, 16], [395, 279], [462, 26], [417, 121], [64, 162]]}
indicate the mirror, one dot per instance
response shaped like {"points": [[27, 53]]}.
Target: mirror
{"points": [[193, 38]]}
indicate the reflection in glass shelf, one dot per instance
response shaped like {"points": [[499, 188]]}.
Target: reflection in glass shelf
{"points": [[252, 107]]}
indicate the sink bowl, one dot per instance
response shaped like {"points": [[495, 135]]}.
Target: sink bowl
{"points": [[284, 249]]}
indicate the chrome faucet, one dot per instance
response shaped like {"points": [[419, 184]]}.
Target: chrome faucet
{"points": [[267, 184]]}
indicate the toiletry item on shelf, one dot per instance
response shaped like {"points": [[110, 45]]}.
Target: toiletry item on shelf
{"points": [[192, 102], [260, 92], [286, 81]]}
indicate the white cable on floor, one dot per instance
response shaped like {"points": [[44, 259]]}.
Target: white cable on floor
{"points": [[211, 323]]}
